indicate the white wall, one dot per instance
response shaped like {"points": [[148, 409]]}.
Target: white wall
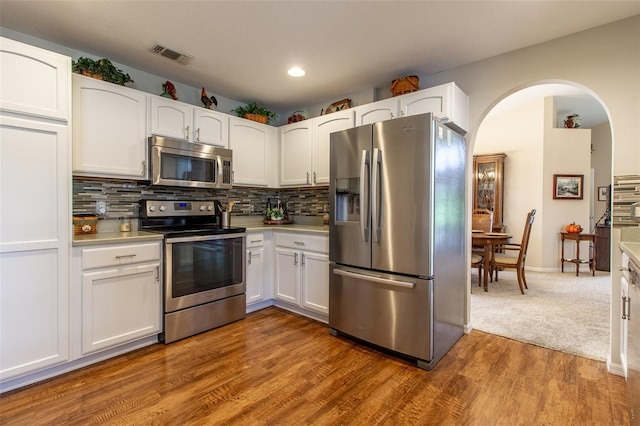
{"points": [[601, 164]]}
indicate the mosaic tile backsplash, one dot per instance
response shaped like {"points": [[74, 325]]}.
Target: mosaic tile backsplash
{"points": [[122, 197]]}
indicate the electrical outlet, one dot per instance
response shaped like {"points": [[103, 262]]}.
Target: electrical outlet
{"points": [[101, 208]]}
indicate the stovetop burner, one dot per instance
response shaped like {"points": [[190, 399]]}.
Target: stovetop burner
{"points": [[183, 218]]}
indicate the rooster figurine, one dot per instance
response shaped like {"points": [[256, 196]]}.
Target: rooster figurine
{"points": [[208, 101]]}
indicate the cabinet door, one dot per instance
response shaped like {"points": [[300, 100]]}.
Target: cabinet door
{"points": [[428, 100], [323, 127], [488, 185], [255, 274], [386, 109], [287, 275], [120, 305], [296, 153], [171, 118], [315, 282], [109, 130], [34, 81], [254, 152], [34, 251], [211, 127]]}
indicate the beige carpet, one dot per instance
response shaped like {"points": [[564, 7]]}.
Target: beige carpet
{"points": [[559, 311]]}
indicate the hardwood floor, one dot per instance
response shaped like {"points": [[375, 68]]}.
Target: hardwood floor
{"points": [[275, 367]]}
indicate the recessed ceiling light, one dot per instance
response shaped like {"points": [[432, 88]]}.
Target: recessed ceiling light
{"points": [[296, 72]]}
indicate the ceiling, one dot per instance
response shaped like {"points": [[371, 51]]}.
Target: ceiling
{"points": [[242, 49]]}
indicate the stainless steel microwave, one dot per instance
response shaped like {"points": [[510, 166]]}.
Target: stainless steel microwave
{"points": [[174, 162]]}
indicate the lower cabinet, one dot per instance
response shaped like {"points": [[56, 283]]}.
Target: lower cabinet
{"points": [[302, 271], [121, 294]]}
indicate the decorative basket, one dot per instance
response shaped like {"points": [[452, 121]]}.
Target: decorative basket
{"points": [[405, 85], [84, 224], [257, 117]]}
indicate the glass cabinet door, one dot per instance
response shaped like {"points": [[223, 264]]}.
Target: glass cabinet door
{"points": [[488, 184]]}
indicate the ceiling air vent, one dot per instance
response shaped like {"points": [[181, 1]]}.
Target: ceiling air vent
{"points": [[178, 57]]}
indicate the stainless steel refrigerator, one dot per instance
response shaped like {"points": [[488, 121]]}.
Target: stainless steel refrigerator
{"points": [[396, 237]]}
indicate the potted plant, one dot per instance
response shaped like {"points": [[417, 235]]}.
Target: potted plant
{"points": [[255, 113], [102, 69]]}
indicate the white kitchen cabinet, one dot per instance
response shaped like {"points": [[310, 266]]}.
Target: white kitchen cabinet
{"points": [[35, 209], [210, 127], [109, 130], [121, 294], [34, 81], [302, 272], [254, 152], [255, 268], [304, 148], [295, 153], [323, 126], [447, 102], [178, 120], [383, 110]]}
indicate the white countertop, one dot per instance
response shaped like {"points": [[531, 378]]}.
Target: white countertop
{"points": [[632, 248]]}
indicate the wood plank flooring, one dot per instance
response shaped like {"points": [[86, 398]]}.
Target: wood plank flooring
{"points": [[277, 368]]}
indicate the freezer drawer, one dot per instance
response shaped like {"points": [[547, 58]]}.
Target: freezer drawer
{"points": [[390, 311]]}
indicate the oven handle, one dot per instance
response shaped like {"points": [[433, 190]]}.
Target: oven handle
{"points": [[192, 238]]}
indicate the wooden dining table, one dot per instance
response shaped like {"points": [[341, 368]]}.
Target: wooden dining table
{"points": [[488, 240]]}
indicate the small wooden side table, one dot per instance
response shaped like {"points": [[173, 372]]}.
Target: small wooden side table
{"points": [[591, 257]]}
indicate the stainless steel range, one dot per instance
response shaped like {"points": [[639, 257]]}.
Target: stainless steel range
{"points": [[204, 268]]}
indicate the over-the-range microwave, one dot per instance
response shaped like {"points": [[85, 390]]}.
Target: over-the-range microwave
{"points": [[174, 162]]}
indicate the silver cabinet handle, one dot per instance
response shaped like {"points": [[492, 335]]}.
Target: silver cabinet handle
{"points": [[315, 178], [379, 280], [157, 273], [186, 136], [125, 255], [295, 259], [302, 259], [256, 241], [308, 177], [144, 167], [233, 176], [298, 243], [626, 308], [249, 257], [198, 134]]}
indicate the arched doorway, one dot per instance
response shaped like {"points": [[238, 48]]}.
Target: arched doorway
{"points": [[517, 124]]}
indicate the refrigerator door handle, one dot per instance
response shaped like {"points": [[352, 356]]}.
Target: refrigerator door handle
{"points": [[379, 280], [376, 194], [364, 195]]}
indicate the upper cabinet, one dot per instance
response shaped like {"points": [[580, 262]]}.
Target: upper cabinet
{"points": [[254, 152], [304, 148], [386, 109], [109, 129], [447, 102], [183, 121], [34, 81]]}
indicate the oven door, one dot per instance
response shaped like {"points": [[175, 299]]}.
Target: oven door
{"points": [[203, 269]]}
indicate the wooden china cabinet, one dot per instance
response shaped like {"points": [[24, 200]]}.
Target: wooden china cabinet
{"points": [[488, 185]]}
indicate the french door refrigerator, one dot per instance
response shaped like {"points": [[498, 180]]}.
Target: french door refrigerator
{"points": [[396, 238]]}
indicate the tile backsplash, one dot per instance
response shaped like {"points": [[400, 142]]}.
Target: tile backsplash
{"points": [[122, 197]]}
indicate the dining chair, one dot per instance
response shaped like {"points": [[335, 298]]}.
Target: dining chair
{"points": [[501, 258], [476, 262], [482, 220]]}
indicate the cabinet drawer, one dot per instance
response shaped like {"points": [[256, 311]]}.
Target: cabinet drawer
{"points": [[303, 242], [255, 239], [119, 255]]}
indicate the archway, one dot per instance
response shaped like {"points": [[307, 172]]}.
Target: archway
{"points": [[514, 124]]}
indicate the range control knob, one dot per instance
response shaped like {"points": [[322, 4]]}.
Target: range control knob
{"points": [[152, 208], [209, 208], [202, 208], [162, 208]]}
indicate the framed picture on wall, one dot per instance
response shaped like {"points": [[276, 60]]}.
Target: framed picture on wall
{"points": [[567, 187], [602, 193]]}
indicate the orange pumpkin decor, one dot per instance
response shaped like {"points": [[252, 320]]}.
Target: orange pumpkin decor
{"points": [[573, 228]]}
